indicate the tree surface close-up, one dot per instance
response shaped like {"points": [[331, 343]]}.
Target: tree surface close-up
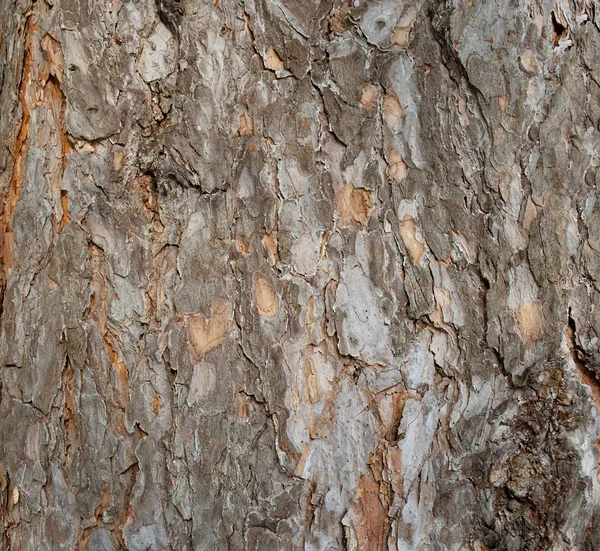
{"points": [[299, 275]]}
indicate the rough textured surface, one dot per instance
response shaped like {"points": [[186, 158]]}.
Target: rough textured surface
{"points": [[299, 274]]}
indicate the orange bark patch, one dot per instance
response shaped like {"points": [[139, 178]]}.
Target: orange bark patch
{"points": [[147, 192], [269, 241], [443, 298], [118, 362], [401, 34], [529, 321], [243, 244], [206, 334], [39, 89], [156, 405], [19, 150], [272, 60], [98, 310], [118, 159], [64, 203], [369, 516], [354, 205], [241, 404], [338, 19], [267, 301], [392, 111], [369, 96], [396, 168], [246, 126], [313, 390], [302, 463], [59, 145], [408, 232], [528, 62]]}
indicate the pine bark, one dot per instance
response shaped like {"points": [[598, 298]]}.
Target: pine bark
{"points": [[299, 274]]}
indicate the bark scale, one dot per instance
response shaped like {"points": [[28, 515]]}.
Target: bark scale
{"points": [[299, 274]]}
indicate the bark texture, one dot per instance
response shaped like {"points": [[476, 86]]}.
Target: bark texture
{"points": [[299, 274]]}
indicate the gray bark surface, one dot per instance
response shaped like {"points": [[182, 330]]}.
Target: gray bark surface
{"points": [[299, 274]]}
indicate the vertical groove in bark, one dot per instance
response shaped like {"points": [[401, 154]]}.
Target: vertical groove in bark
{"points": [[19, 149]]}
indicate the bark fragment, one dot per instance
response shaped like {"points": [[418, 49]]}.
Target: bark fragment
{"points": [[299, 275]]}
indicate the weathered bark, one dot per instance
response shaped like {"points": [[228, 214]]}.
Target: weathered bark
{"points": [[299, 274]]}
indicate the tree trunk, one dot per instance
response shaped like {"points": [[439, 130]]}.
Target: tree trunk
{"points": [[299, 274]]}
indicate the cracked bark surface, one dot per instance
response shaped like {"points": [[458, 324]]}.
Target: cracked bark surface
{"points": [[307, 274]]}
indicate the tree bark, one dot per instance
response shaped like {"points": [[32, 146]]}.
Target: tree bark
{"points": [[299, 274]]}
